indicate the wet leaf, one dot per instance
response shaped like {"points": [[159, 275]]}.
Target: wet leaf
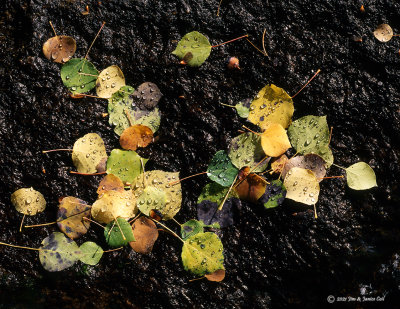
{"points": [[58, 252], [110, 182], [125, 164], [242, 110], [311, 162], [383, 33], [278, 164], [251, 188], [59, 48], [136, 136], [246, 150], [91, 253], [163, 181], [113, 204], [118, 233], [203, 254], [72, 75], [274, 194], [109, 81], [302, 186], [191, 227], [216, 276], [28, 201], [147, 96], [274, 140], [145, 233], [271, 105], [325, 153], [70, 217], [208, 212], [214, 192], [152, 198], [88, 153], [360, 176], [309, 134], [221, 169], [194, 48], [120, 104]]}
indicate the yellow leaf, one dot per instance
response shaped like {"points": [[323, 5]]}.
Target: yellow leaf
{"points": [[274, 140], [271, 105], [302, 186]]}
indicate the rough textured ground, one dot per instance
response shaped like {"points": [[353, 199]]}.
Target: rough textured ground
{"points": [[273, 259]]}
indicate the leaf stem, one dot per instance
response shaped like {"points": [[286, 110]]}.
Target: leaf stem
{"points": [[251, 130], [219, 7], [227, 193], [95, 39], [54, 30], [256, 47], [173, 219], [343, 168], [331, 177], [54, 150], [90, 220], [330, 136], [22, 222], [86, 95], [228, 105], [315, 212], [42, 224], [131, 123], [180, 180], [20, 247], [241, 37], [263, 43], [111, 250], [86, 74], [89, 174], [168, 229], [307, 83]]}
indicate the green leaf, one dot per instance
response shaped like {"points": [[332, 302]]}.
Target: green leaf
{"points": [[242, 110], [75, 82], [214, 192], [70, 217], [58, 252], [152, 198], [221, 169], [28, 201], [309, 134], [360, 176], [203, 254], [246, 150], [88, 153], [271, 105], [274, 194], [325, 153], [125, 164], [191, 228], [194, 48], [166, 182], [91, 253], [118, 233], [122, 103]]}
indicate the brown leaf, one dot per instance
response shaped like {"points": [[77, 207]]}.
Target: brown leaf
{"points": [[216, 276], [59, 48], [251, 188], [279, 163], [110, 182], [146, 233], [136, 136]]}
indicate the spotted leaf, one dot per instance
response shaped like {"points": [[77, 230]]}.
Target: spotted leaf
{"points": [[70, 214]]}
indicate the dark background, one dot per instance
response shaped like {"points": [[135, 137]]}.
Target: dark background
{"points": [[273, 258]]}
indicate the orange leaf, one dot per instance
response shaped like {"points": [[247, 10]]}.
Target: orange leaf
{"points": [[251, 188], [136, 136], [146, 233], [216, 276]]}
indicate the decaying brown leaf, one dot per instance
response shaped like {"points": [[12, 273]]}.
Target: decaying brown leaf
{"points": [[59, 48], [250, 187], [146, 233], [110, 182], [216, 276], [136, 136]]}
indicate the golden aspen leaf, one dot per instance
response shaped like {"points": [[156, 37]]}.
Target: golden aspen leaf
{"points": [[302, 186], [28, 201], [110, 182], [250, 187], [88, 152], [109, 81], [113, 204], [271, 105], [274, 140]]}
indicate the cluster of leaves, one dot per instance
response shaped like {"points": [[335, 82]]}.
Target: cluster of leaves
{"points": [[241, 172], [127, 189]]}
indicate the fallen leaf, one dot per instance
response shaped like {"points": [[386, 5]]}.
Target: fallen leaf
{"points": [[91, 253], [110, 182], [360, 176], [118, 233], [216, 276], [136, 136], [194, 48], [145, 233], [28, 201], [70, 217], [59, 48], [274, 140], [88, 152], [109, 81], [302, 186]]}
